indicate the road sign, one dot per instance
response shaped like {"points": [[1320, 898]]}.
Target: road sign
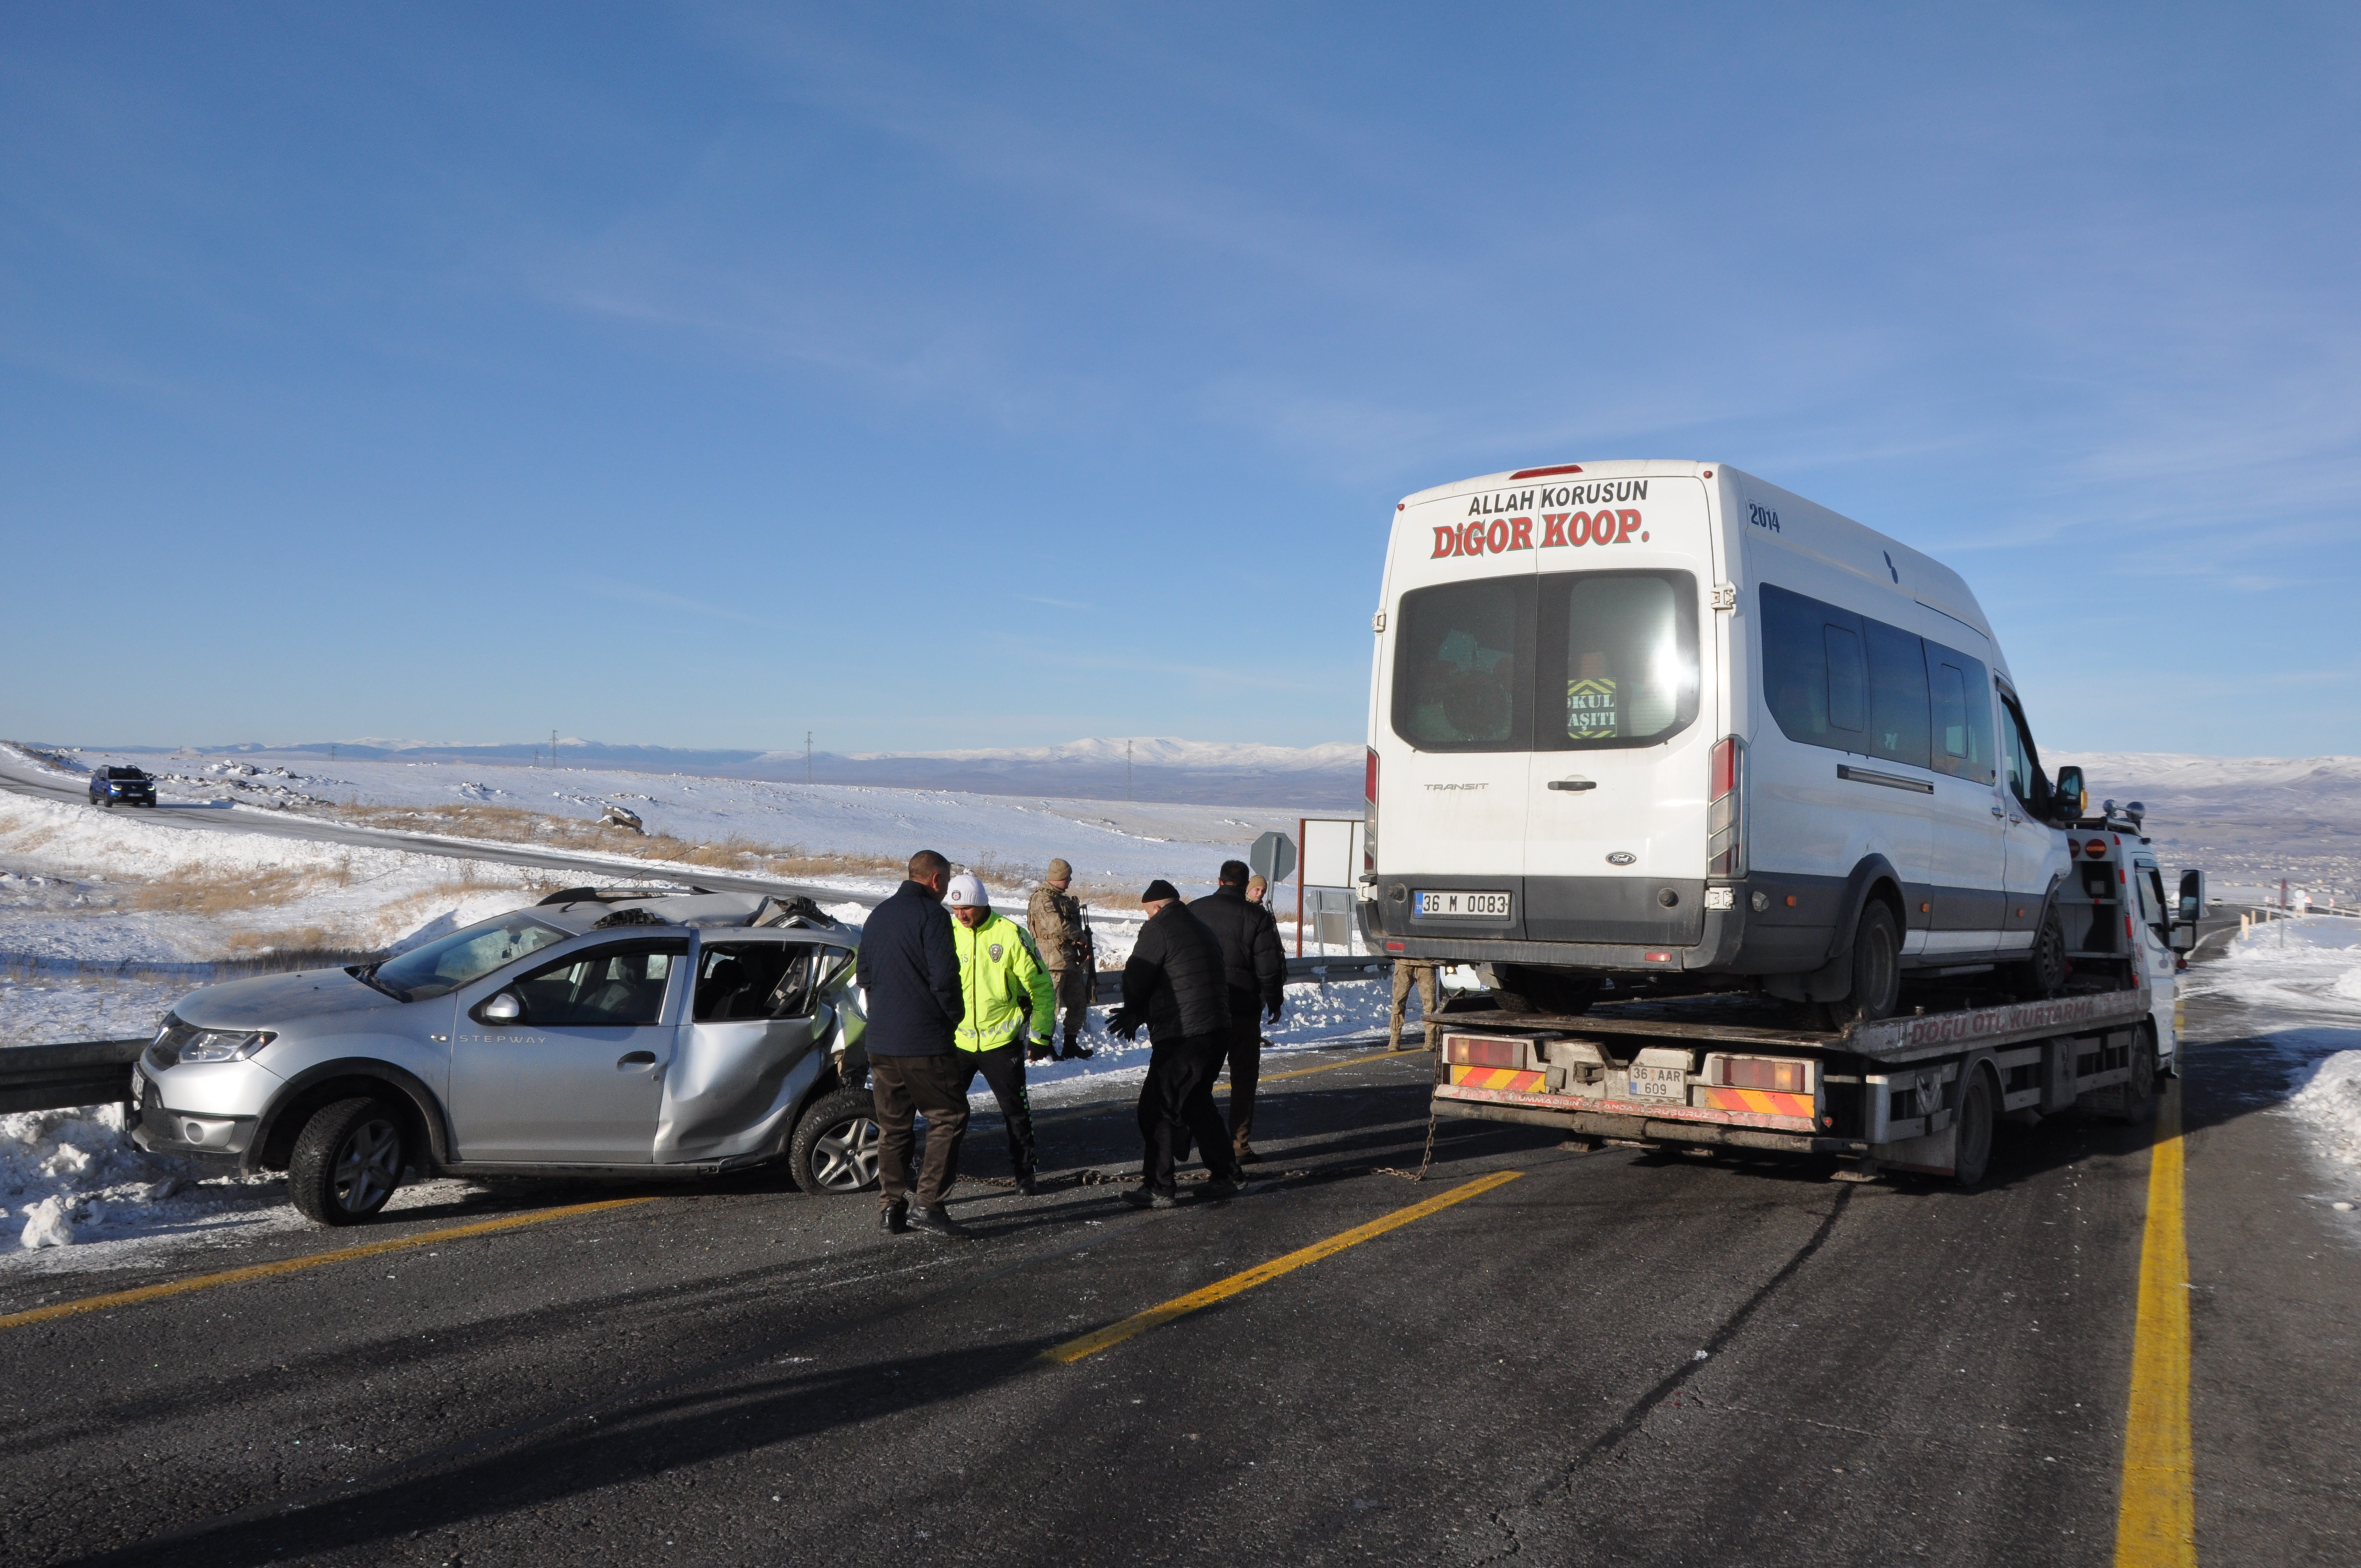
{"points": [[1273, 858]]}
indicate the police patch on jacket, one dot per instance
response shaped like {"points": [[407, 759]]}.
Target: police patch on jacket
{"points": [[995, 951]]}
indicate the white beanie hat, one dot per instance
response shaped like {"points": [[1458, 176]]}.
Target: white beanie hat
{"points": [[967, 892]]}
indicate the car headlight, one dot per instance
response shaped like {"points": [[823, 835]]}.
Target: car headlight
{"points": [[224, 1045]]}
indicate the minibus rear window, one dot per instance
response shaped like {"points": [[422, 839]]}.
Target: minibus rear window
{"points": [[1459, 682], [1566, 662], [1620, 650]]}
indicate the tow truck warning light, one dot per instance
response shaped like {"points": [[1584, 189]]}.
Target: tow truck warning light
{"points": [[1754, 1072], [1471, 1051]]}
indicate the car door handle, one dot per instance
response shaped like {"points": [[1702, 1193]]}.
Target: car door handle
{"points": [[1577, 784], [636, 1058], [2014, 819]]}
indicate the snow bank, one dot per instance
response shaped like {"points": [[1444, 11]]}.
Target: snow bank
{"points": [[2299, 983], [114, 887]]}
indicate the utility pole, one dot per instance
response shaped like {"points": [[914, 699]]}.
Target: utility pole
{"points": [[807, 756]]}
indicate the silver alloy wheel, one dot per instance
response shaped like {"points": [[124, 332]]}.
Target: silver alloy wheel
{"points": [[845, 1156], [368, 1165]]}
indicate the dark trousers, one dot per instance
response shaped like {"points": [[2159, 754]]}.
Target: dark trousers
{"points": [[1003, 1070], [901, 1086], [1175, 1105], [1246, 1071]]}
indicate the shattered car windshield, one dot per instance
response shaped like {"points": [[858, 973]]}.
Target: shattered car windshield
{"points": [[450, 962]]}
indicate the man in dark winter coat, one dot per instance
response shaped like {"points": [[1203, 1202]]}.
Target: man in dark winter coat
{"points": [[1255, 969], [909, 971], [1174, 985]]}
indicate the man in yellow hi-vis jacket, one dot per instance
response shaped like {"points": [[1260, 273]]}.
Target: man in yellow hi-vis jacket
{"points": [[1006, 1000]]}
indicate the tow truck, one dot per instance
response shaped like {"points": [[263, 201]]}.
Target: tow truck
{"points": [[1919, 1092]]}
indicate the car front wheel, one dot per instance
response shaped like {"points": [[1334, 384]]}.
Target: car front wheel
{"points": [[834, 1150], [347, 1162]]}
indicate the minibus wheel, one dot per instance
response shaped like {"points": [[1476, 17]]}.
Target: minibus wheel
{"points": [[1876, 969]]}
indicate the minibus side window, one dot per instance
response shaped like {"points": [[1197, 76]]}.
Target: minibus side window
{"points": [[1897, 695], [1813, 673], [1847, 678], [1618, 653], [2026, 779], [1458, 674], [1963, 714]]}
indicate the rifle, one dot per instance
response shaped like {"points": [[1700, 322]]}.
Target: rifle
{"points": [[1086, 946]]}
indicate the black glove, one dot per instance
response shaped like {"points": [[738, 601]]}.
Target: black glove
{"points": [[1274, 1008], [1123, 1023]]}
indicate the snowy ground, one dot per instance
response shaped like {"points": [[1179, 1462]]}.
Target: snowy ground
{"points": [[1010, 839], [107, 918], [2298, 983]]}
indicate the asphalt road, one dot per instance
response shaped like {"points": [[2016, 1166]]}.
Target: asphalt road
{"points": [[1613, 1357], [20, 779]]}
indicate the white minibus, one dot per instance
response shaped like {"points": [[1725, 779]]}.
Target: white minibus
{"points": [[1665, 719]]}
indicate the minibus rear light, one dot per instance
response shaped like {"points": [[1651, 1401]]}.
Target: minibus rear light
{"points": [[1369, 816], [1546, 473], [1722, 772], [1657, 957]]}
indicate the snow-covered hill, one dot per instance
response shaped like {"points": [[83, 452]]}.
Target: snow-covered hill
{"points": [[2249, 821]]}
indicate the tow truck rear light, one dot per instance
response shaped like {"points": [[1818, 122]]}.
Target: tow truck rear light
{"points": [[2096, 849], [1754, 1072], [1478, 1052], [1725, 817]]}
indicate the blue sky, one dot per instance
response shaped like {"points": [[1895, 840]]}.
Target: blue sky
{"points": [[969, 376]]}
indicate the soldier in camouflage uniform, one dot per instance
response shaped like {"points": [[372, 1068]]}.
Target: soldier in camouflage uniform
{"points": [[1056, 922]]}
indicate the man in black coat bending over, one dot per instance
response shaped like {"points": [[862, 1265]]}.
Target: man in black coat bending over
{"points": [[1174, 985], [909, 969], [1254, 971]]}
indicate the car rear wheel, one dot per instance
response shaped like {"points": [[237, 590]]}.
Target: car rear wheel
{"points": [[834, 1149], [347, 1162]]}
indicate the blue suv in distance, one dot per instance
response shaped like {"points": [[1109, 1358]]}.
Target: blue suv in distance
{"points": [[121, 786]]}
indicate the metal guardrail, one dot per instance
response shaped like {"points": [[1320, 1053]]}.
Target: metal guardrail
{"points": [[1107, 988], [53, 1078]]}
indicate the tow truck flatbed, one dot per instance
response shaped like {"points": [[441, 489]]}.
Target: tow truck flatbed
{"points": [[1715, 1071]]}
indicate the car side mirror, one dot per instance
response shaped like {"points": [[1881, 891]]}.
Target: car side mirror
{"points": [[2073, 796], [500, 1007], [2192, 897], [2180, 939]]}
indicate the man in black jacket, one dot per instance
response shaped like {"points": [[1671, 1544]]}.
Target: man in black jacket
{"points": [[1254, 970], [1174, 985], [909, 971]]}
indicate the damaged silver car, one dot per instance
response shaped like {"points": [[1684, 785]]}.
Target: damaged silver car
{"points": [[608, 1033]]}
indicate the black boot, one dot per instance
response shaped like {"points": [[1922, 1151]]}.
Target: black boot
{"points": [[894, 1218], [1077, 1051], [937, 1221]]}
